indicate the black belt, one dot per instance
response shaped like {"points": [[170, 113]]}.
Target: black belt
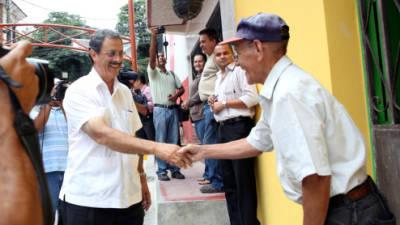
{"points": [[354, 194], [234, 120], [165, 106]]}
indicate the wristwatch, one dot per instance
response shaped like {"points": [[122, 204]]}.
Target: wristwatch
{"points": [[224, 103]]}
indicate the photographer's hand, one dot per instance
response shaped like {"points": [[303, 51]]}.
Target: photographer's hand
{"points": [[133, 92], [154, 31], [18, 69]]}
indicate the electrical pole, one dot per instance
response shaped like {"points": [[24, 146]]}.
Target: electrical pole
{"points": [[8, 17], [132, 34]]}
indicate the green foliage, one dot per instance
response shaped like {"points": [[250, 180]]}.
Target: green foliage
{"points": [[142, 36], [75, 63]]}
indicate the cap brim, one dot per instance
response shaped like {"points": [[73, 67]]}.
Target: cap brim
{"points": [[231, 40]]}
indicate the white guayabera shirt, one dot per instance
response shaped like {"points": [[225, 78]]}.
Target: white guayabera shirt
{"points": [[97, 176], [310, 131]]}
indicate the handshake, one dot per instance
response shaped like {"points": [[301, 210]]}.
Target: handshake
{"points": [[179, 156]]}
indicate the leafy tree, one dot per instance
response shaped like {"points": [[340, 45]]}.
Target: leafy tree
{"points": [[76, 63], [143, 37]]}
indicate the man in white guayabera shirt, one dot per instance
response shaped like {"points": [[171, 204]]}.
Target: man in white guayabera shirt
{"points": [[103, 181]]}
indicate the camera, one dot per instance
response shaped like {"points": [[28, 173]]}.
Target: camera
{"points": [[139, 97], [125, 76], [43, 72], [60, 91], [138, 91], [160, 30]]}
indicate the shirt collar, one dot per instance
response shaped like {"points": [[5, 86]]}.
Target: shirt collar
{"points": [[159, 70], [229, 68], [274, 75], [99, 83]]}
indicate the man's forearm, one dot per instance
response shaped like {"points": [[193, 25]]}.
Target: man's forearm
{"points": [[231, 150], [19, 187], [41, 119], [153, 52], [316, 193], [118, 140], [236, 103], [142, 109], [180, 91]]}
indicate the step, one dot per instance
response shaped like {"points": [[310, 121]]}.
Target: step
{"points": [[180, 202]]}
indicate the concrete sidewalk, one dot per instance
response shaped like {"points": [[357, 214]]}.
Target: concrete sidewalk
{"points": [[180, 202]]}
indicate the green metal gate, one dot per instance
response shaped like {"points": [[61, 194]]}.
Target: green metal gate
{"points": [[380, 29]]}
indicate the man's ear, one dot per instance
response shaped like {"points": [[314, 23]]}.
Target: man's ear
{"points": [[258, 48], [92, 53]]}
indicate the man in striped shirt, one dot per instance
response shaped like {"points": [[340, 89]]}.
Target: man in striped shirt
{"points": [[53, 137]]}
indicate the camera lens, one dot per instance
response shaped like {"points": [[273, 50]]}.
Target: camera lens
{"points": [[42, 70], [46, 79]]}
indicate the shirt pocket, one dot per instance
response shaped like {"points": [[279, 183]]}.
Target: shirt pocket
{"points": [[129, 122]]}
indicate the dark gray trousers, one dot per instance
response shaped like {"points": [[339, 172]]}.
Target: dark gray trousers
{"points": [[71, 214], [369, 210]]}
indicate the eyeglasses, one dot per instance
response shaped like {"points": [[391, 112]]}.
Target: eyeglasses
{"points": [[112, 54], [235, 55]]}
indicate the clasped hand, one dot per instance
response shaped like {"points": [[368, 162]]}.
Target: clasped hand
{"points": [[179, 156]]}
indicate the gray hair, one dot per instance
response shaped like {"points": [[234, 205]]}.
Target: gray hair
{"points": [[97, 39]]}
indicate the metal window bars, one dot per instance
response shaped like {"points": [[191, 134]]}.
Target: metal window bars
{"points": [[380, 20]]}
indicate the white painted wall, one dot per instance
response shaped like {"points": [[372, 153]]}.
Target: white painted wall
{"points": [[181, 48]]}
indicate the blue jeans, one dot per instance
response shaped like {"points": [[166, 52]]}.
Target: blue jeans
{"points": [[213, 171], [166, 126], [199, 126], [54, 182]]}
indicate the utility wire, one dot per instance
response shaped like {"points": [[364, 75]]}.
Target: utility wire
{"points": [[49, 10]]}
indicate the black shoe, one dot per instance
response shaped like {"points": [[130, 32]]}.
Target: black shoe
{"points": [[209, 189], [178, 175], [163, 177]]}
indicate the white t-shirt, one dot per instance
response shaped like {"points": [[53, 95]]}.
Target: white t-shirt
{"points": [[310, 131], [234, 86], [97, 176]]}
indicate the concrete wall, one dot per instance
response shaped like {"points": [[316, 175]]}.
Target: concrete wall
{"points": [[325, 42]]}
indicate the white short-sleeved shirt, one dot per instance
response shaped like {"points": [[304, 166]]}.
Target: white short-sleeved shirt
{"points": [[234, 86], [162, 85], [97, 176], [310, 131]]}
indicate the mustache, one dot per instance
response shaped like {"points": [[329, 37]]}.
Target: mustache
{"points": [[116, 63]]}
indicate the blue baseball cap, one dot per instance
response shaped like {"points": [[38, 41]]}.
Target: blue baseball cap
{"points": [[265, 27]]}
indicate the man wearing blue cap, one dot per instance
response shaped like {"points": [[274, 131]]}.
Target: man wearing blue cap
{"points": [[320, 152]]}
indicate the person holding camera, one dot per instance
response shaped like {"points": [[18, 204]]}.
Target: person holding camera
{"points": [[19, 191], [51, 123], [104, 183], [140, 87], [143, 102], [165, 89]]}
